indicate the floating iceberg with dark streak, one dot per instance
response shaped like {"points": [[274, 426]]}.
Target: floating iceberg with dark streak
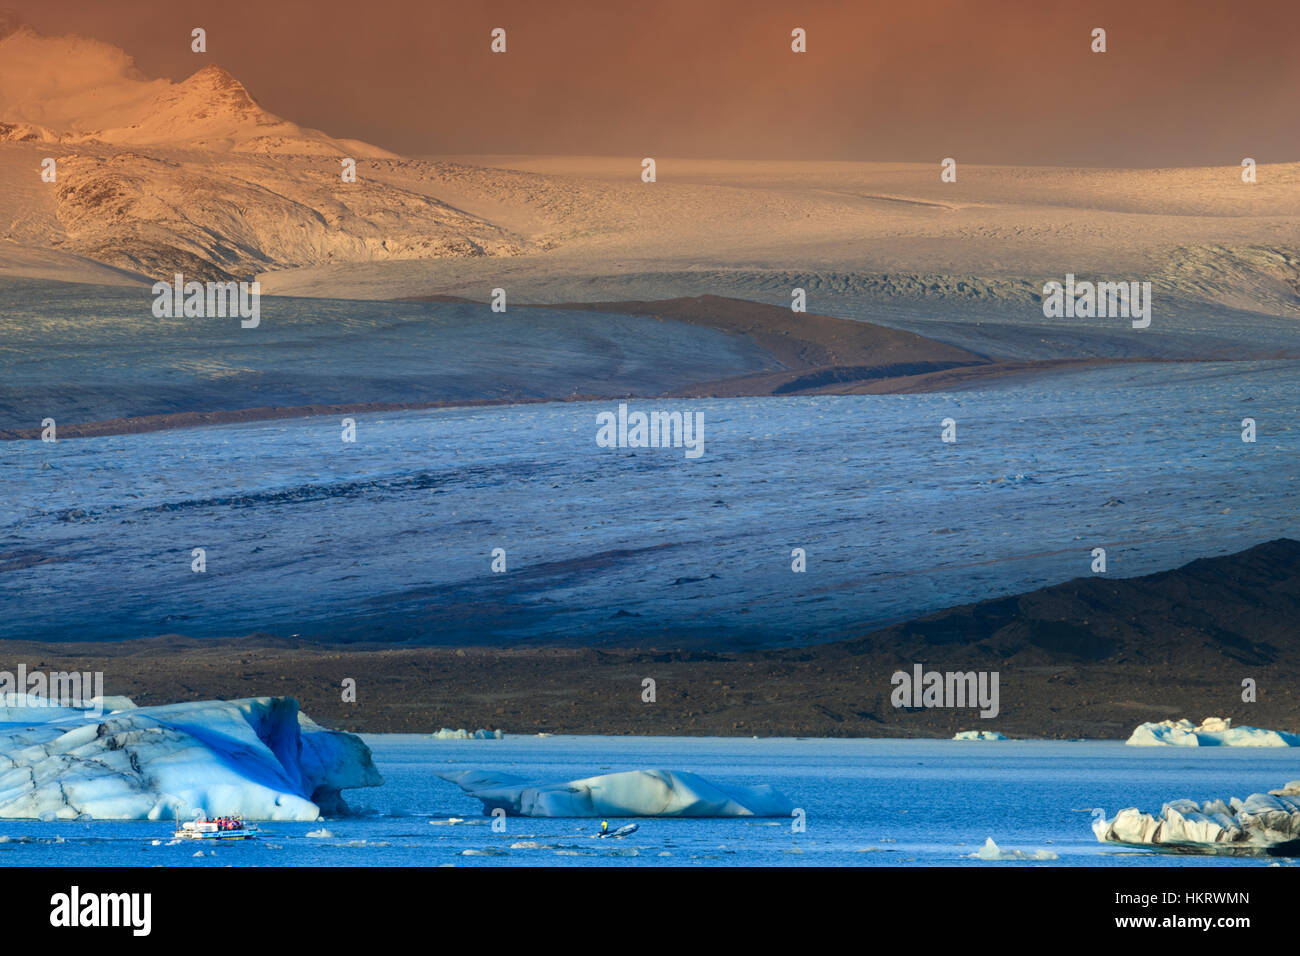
{"points": [[1262, 824], [634, 793]]}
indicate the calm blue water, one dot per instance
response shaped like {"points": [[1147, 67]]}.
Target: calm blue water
{"points": [[868, 803]]}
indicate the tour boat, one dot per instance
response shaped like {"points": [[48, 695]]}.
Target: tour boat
{"points": [[221, 828]]}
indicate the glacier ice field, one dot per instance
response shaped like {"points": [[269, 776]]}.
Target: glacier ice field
{"points": [[391, 537]]}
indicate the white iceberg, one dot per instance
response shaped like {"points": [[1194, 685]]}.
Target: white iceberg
{"points": [[991, 851], [634, 793], [257, 758], [446, 733], [978, 735], [1212, 732], [1263, 823]]}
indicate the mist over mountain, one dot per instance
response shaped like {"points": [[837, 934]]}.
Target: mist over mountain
{"points": [[72, 89], [156, 177]]}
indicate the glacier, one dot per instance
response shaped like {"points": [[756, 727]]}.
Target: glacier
{"points": [[1212, 732], [1263, 823], [267, 498], [633, 793], [107, 759]]}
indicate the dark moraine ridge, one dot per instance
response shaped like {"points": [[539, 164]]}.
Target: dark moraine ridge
{"points": [[1092, 657]]}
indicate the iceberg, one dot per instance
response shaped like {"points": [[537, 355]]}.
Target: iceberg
{"points": [[992, 852], [446, 733], [1212, 732], [978, 735], [634, 793], [107, 759], [1262, 824]]}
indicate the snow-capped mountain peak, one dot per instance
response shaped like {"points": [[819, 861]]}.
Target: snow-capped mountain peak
{"points": [[209, 108], [216, 90], [77, 90]]}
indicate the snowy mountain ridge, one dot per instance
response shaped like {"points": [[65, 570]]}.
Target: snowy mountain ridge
{"points": [[74, 90], [157, 177]]}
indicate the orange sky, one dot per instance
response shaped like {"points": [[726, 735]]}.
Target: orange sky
{"points": [[1185, 82]]}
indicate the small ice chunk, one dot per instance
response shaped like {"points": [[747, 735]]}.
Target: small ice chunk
{"points": [[991, 851], [446, 733]]}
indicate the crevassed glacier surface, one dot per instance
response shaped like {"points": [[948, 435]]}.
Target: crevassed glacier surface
{"points": [[258, 758], [633, 793], [390, 537]]}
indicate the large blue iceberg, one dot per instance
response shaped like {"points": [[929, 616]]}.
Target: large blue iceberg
{"points": [[108, 759]]}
